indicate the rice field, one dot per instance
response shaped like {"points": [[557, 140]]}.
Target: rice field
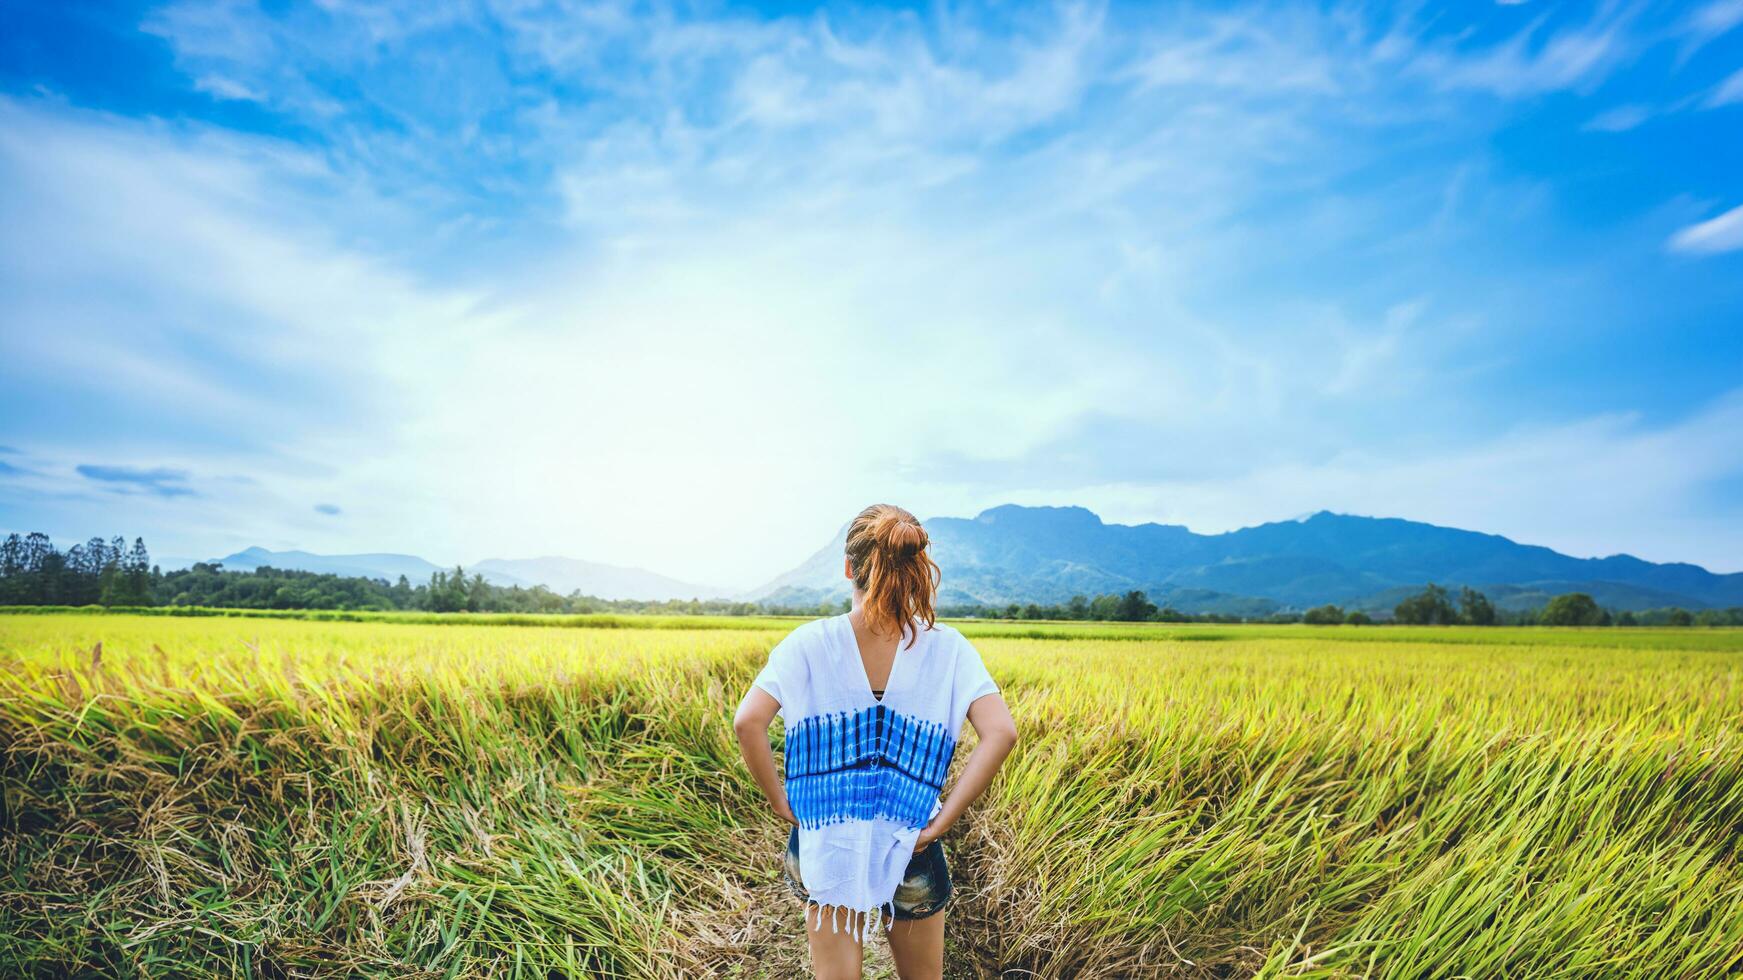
{"points": [[279, 797]]}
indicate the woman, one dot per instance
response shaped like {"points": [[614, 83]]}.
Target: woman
{"points": [[873, 701]]}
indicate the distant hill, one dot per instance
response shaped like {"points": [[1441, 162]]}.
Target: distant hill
{"points": [[386, 566], [560, 575], [1048, 554], [173, 563], [566, 575]]}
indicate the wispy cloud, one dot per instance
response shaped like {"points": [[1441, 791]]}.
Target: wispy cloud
{"points": [[1662, 476], [1727, 92], [159, 481], [1711, 20], [1619, 119], [1534, 60], [220, 87], [1723, 233], [1011, 249]]}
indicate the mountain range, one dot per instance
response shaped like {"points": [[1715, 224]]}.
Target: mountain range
{"points": [[1014, 554], [1048, 554]]}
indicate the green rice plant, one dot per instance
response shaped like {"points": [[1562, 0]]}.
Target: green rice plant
{"points": [[264, 796], [1622, 638], [275, 798], [1333, 808]]}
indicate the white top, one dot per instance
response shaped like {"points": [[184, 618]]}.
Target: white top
{"points": [[863, 775]]}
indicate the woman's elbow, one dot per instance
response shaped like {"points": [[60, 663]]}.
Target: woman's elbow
{"points": [[1004, 736], [748, 725]]}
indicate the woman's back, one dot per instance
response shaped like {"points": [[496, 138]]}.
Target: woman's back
{"points": [[874, 701]]}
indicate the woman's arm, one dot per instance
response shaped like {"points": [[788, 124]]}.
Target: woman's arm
{"points": [[992, 721], [751, 724]]}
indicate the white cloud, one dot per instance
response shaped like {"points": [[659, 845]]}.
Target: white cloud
{"points": [[1714, 19], [1250, 52], [770, 271], [227, 89], [739, 330], [1619, 119], [1712, 236], [1592, 487], [1728, 92], [1571, 59]]}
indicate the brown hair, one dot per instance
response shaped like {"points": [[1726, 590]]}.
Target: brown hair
{"points": [[887, 549]]}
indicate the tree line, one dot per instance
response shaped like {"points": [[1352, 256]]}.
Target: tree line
{"points": [[1434, 606], [33, 572], [1114, 607], [109, 573]]}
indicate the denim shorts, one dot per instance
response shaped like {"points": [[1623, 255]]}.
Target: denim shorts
{"points": [[925, 886]]}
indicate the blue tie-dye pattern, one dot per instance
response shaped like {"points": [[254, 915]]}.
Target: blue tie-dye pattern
{"points": [[862, 765]]}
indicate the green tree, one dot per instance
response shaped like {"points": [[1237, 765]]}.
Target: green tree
{"points": [[447, 593], [1572, 609], [1105, 607], [1679, 617], [136, 571], [1627, 619], [111, 587], [1359, 618], [1430, 607], [1326, 615], [1134, 607], [56, 582], [14, 586], [1475, 609], [1077, 608], [111, 578], [457, 589]]}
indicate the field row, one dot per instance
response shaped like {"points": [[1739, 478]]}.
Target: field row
{"points": [[1620, 637], [220, 797]]}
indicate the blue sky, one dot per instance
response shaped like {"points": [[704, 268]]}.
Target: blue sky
{"points": [[685, 286]]}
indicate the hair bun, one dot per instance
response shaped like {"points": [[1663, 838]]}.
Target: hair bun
{"points": [[886, 552], [898, 534]]}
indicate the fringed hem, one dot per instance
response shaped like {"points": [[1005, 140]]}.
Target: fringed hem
{"points": [[859, 921]]}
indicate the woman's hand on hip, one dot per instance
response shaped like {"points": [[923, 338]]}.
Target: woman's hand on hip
{"points": [[930, 833]]}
